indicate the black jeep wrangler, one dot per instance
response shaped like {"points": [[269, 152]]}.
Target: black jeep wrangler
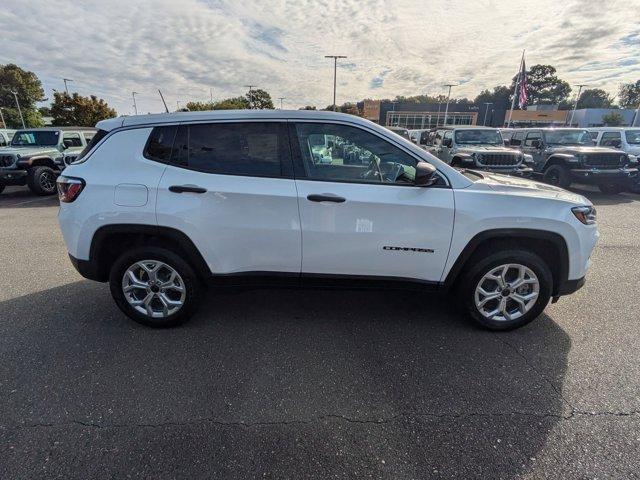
{"points": [[567, 155]]}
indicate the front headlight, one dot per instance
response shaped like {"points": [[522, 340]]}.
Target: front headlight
{"points": [[527, 158], [633, 160], [586, 214]]}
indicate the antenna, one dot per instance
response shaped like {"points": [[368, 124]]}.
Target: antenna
{"points": [[165, 103]]}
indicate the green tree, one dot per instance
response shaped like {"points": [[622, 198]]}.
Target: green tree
{"points": [[544, 86], [200, 106], [260, 99], [78, 110], [500, 97], [612, 119], [29, 91], [629, 95], [308, 107], [236, 103], [595, 98]]}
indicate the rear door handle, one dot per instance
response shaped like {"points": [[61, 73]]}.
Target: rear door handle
{"points": [[186, 188], [315, 197]]}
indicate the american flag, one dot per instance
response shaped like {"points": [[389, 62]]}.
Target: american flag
{"points": [[522, 98]]}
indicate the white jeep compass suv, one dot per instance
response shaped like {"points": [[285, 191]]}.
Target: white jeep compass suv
{"points": [[160, 205]]}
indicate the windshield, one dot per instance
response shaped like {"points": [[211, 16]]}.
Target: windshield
{"points": [[477, 137], [568, 137], [633, 136], [34, 138]]}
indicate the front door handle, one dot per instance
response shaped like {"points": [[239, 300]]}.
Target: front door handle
{"points": [[315, 197], [186, 188]]}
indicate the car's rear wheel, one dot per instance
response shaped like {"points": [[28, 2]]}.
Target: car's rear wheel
{"points": [[42, 181], [155, 287], [507, 289], [611, 188]]}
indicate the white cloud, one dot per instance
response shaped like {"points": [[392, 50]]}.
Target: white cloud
{"points": [[113, 47]]}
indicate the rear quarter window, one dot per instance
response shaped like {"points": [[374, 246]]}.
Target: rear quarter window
{"points": [[160, 143], [99, 135]]}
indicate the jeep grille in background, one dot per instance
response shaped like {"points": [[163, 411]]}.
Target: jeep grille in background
{"points": [[6, 161], [498, 159], [603, 159]]}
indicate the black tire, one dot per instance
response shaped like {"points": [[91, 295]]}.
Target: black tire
{"points": [[192, 286], [42, 181], [480, 265], [611, 188], [557, 175]]}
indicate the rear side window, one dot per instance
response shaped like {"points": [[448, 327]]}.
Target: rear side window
{"points": [[160, 143], [249, 149], [100, 134]]}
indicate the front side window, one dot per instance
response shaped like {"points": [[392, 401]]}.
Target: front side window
{"points": [[632, 137], [531, 136], [249, 149], [35, 138], [71, 140], [568, 137], [3, 142], [343, 153], [517, 138], [611, 139], [478, 137]]}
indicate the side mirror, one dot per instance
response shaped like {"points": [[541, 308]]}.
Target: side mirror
{"points": [[536, 143], [447, 142], [507, 143], [63, 146], [425, 175]]}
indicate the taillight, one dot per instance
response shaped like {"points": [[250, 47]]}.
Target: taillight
{"points": [[69, 188]]}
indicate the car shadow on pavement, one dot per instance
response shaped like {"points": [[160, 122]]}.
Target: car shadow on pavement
{"points": [[599, 198], [17, 197], [285, 383]]}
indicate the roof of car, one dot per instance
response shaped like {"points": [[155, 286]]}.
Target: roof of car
{"points": [[467, 127], [615, 129], [203, 116]]}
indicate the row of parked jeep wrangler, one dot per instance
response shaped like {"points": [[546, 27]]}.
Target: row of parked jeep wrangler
{"points": [[606, 157], [603, 156]]}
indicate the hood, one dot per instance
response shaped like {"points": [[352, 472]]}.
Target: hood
{"points": [[572, 149], [521, 186], [487, 148], [26, 151]]}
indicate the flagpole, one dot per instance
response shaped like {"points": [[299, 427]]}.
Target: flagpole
{"points": [[515, 90]]}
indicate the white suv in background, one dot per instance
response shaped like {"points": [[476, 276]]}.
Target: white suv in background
{"points": [[160, 205]]}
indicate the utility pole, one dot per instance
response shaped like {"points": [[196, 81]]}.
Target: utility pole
{"points": [[250, 87], [515, 90], [4, 125], [66, 88], [281, 99], [135, 106], [486, 109], [211, 95], [335, 68], [446, 110], [177, 104], [575, 105], [15, 95]]}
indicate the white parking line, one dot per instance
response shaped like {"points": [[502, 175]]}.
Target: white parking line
{"points": [[24, 202]]}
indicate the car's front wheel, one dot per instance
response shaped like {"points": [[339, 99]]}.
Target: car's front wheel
{"points": [[155, 287], [507, 289], [42, 181], [557, 175]]}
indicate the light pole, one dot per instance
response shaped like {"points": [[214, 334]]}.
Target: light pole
{"points": [[446, 110], [335, 69], [250, 87], [15, 95], [281, 99], [486, 109], [575, 105], [135, 106], [66, 88], [4, 125]]}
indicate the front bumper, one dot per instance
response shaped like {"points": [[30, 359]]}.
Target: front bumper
{"points": [[13, 177], [623, 176], [87, 269], [517, 171]]}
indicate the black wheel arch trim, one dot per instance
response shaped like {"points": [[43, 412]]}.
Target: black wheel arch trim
{"points": [[101, 235], [507, 234]]}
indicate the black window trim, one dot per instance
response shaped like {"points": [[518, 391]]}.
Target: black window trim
{"points": [[296, 156]]}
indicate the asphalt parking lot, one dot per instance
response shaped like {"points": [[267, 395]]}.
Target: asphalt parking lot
{"points": [[313, 384]]}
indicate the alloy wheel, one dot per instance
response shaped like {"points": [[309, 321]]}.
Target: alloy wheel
{"points": [[507, 292], [154, 288], [47, 181]]}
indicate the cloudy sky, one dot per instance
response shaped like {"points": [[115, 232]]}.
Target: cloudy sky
{"points": [[113, 47]]}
